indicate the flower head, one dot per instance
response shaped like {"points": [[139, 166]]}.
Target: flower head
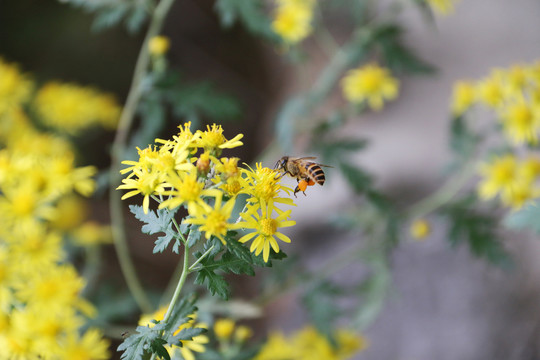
{"points": [[463, 97], [158, 45], [370, 83], [266, 231], [214, 141], [419, 229], [292, 20]]}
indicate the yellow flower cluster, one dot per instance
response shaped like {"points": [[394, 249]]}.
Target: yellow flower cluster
{"points": [[309, 344], [225, 329], [72, 108], [42, 313], [187, 348], [292, 19], [514, 95], [370, 83], [189, 171], [514, 181]]}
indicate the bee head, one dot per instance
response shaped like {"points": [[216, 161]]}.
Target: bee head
{"points": [[280, 164]]}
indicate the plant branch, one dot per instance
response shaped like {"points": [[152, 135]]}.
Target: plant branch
{"points": [[117, 154]]}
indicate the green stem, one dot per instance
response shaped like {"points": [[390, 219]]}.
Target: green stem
{"points": [[178, 290], [117, 154], [444, 194], [201, 258]]}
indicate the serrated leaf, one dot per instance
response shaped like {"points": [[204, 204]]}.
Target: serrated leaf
{"points": [[157, 348], [160, 222], [135, 346], [358, 179], [238, 249], [477, 230], [527, 217], [188, 334], [215, 283], [194, 235]]}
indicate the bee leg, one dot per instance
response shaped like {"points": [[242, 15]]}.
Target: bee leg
{"points": [[296, 189]]}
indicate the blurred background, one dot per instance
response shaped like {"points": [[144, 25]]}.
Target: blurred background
{"points": [[444, 304]]}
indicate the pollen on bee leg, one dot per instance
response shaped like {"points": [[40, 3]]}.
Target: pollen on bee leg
{"points": [[310, 182]]}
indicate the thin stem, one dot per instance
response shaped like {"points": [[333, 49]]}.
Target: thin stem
{"points": [[178, 290], [444, 194], [201, 258], [118, 149]]}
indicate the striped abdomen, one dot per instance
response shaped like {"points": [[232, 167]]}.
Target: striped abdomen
{"points": [[315, 172]]}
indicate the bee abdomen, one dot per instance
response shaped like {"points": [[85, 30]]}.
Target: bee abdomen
{"points": [[316, 173]]}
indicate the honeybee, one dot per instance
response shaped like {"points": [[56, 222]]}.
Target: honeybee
{"points": [[306, 172]]}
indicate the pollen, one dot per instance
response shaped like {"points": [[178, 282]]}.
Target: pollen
{"points": [[268, 227]]}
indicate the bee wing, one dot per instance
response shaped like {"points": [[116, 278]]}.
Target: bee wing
{"points": [[305, 158], [325, 165]]}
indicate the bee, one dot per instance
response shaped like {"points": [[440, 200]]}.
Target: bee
{"points": [[306, 172]]}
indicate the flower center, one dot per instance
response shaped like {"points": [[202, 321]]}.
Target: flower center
{"points": [[190, 189], [268, 227], [216, 223]]}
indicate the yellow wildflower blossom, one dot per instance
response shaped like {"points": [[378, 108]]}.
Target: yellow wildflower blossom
{"points": [[370, 83], [213, 220], [521, 121], [72, 108], [499, 176], [463, 97], [419, 229], [214, 141], [159, 45], [223, 328], [442, 7], [89, 346], [266, 228], [292, 20], [145, 183]]}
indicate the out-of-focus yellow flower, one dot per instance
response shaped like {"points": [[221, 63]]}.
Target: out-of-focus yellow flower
{"points": [[463, 97], [292, 20], [242, 333], [15, 88], [499, 175], [370, 83], [91, 345], [70, 212], [159, 45], [91, 233], [309, 344], [73, 108], [419, 229], [521, 121], [223, 328]]}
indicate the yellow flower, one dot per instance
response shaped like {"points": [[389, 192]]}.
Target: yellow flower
{"points": [[159, 45], [186, 189], [36, 248], [72, 108], [213, 220], [91, 233], [370, 83], [90, 346], [490, 91], [521, 121], [214, 141], [522, 192], [292, 20], [499, 176], [242, 333], [223, 328], [263, 186], [145, 183], [309, 344], [420, 228], [266, 228], [70, 212], [463, 97], [15, 88]]}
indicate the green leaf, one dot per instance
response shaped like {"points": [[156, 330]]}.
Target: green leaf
{"points": [[478, 230], [249, 13], [527, 217], [136, 346], [388, 39], [462, 140], [358, 179], [157, 223], [156, 347]]}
